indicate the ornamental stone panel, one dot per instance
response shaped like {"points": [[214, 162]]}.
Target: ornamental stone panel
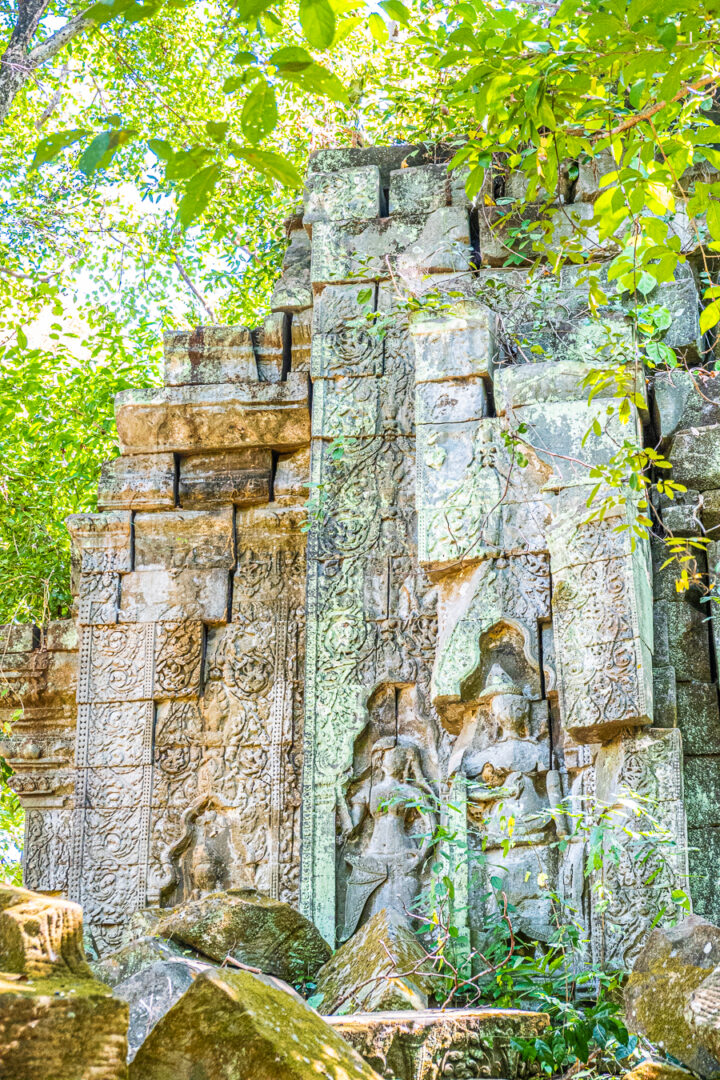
{"points": [[346, 574]]}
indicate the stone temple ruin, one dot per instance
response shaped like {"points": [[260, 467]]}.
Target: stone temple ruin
{"points": [[250, 677]]}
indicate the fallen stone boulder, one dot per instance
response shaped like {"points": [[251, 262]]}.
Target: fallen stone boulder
{"points": [[40, 935], [658, 1070], [137, 955], [702, 1012], [672, 964], [381, 967], [61, 1029], [252, 928], [56, 1021], [234, 1026], [456, 1042], [152, 991]]}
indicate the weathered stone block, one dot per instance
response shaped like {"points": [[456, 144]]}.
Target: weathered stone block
{"points": [[499, 239], [702, 1012], [342, 339], [137, 482], [454, 345], [665, 704], [387, 158], [688, 641], [685, 399], [673, 963], [301, 340], [682, 519], [151, 992], [346, 195], [695, 457], [559, 381], [253, 929], [361, 977], [556, 432], [293, 291], [702, 777], [138, 954], [710, 509], [235, 1026], [98, 598], [40, 935], [229, 416], [418, 1045], [269, 343], [185, 539], [61, 1028], [420, 190], [292, 477], [241, 477], [172, 595], [451, 401], [342, 251], [339, 305], [102, 541], [698, 718], [704, 859], [209, 354]]}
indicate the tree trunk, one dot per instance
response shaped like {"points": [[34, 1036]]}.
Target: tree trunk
{"points": [[19, 60]]}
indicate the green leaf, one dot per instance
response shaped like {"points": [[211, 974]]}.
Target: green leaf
{"points": [[378, 28], [244, 57], [270, 164], [709, 316], [105, 10], [317, 19], [260, 113], [103, 149], [161, 148], [645, 283], [291, 59], [197, 193], [217, 129], [250, 9], [396, 11], [316, 79], [713, 219], [49, 147]]}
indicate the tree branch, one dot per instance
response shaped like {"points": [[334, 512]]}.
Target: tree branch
{"points": [[47, 49], [193, 288]]}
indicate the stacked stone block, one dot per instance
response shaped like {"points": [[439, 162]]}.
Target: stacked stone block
{"points": [[463, 615], [687, 405]]}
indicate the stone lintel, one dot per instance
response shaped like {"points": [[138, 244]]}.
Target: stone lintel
{"points": [[227, 416]]}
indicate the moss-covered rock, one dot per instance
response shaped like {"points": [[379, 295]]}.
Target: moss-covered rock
{"points": [[702, 1012], [61, 1028], [40, 935], [234, 1026], [136, 956], [253, 929], [369, 972], [671, 965]]}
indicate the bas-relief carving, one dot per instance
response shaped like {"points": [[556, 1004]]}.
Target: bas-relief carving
{"points": [[463, 620], [386, 832], [513, 794]]}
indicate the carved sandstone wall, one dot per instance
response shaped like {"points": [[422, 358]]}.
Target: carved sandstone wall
{"points": [[461, 618]]}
